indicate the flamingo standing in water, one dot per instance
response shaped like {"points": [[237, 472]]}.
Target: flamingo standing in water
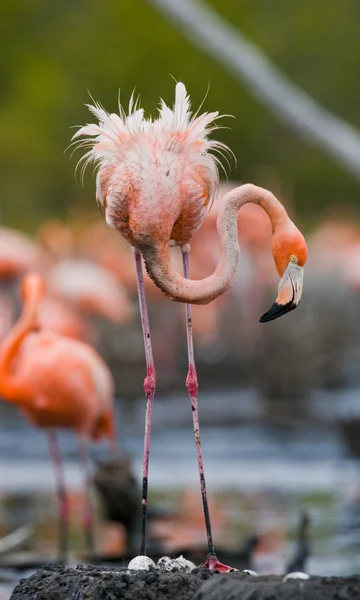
{"points": [[57, 382], [156, 180]]}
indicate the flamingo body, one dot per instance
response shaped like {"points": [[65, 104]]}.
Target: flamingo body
{"points": [[156, 180], [57, 382], [65, 384]]}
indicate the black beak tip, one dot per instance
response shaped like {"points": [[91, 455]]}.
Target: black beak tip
{"points": [[277, 310]]}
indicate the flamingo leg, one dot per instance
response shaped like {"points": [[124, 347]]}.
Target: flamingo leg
{"points": [[63, 499], [192, 388], [149, 387], [88, 522]]}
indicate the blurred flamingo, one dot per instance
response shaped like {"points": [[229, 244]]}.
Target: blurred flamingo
{"points": [[18, 254], [77, 287], [101, 245], [335, 248], [183, 530], [6, 315], [57, 316], [332, 244], [57, 382], [156, 181], [57, 238], [90, 289]]}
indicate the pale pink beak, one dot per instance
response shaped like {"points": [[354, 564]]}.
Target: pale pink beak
{"points": [[289, 293]]}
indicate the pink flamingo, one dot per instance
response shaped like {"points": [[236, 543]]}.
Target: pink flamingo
{"points": [[90, 289], [102, 245], [57, 238], [156, 181], [77, 287], [57, 316], [6, 315], [57, 382], [18, 254]]}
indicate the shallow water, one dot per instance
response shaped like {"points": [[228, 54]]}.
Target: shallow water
{"points": [[262, 474]]}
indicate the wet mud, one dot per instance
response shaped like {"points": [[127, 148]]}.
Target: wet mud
{"points": [[54, 582]]}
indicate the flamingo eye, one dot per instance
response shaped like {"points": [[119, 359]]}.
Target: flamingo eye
{"points": [[293, 258]]}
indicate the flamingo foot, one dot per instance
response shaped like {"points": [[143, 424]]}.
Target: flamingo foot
{"points": [[213, 564]]}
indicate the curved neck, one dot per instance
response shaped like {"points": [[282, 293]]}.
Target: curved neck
{"points": [[9, 387], [158, 259]]}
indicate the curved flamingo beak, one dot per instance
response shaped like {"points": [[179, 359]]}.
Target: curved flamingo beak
{"points": [[289, 293]]}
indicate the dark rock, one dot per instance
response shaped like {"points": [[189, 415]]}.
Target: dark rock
{"points": [[235, 587], [96, 583]]}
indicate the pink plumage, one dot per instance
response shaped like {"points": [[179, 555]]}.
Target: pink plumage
{"points": [[156, 180], [171, 154]]}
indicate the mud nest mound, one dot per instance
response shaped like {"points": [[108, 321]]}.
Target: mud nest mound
{"points": [[54, 582]]}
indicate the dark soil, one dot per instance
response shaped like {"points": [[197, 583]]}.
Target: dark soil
{"points": [[235, 587], [54, 582]]}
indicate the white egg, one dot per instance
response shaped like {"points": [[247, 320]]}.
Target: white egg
{"points": [[250, 572], [141, 563], [296, 575]]}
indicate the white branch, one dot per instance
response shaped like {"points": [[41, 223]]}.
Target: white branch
{"points": [[210, 32]]}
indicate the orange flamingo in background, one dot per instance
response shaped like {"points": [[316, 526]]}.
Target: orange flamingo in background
{"points": [[57, 382], [156, 181]]}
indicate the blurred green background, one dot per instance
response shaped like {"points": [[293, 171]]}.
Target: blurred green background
{"points": [[54, 52]]}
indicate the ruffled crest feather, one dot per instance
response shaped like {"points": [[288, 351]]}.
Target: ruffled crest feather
{"points": [[174, 130]]}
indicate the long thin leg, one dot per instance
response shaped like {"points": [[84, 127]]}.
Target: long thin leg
{"points": [[149, 387], [63, 499], [88, 522], [192, 388]]}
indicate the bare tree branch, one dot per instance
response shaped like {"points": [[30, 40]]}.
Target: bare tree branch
{"points": [[210, 32]]}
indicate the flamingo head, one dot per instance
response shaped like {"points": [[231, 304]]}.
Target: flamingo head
{"points": [[290, 253]]}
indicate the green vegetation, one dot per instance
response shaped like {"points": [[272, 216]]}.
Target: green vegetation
{"points": [[54, 52]]}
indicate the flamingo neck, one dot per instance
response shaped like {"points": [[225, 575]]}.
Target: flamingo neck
{"points": [[9, 387], [158, 260]]}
